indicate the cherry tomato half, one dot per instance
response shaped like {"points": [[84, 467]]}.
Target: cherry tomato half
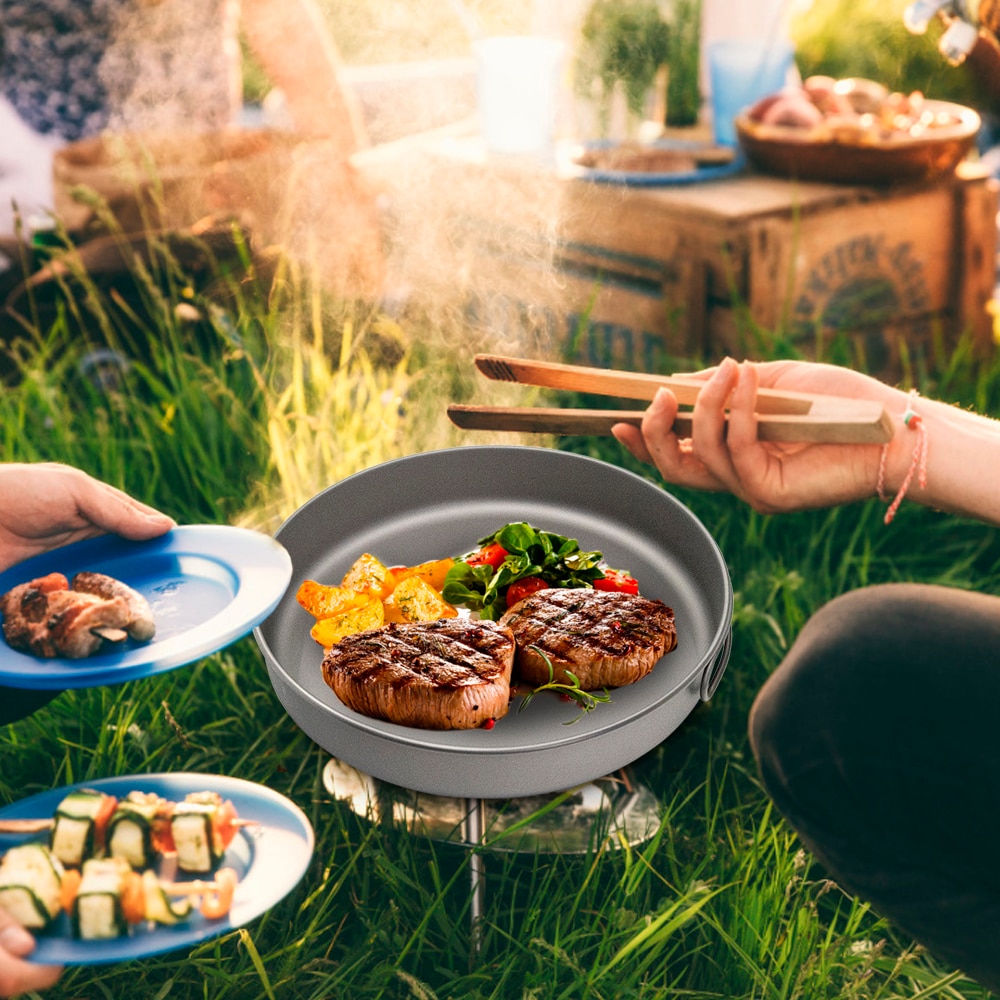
{"points": [[617, 579], [489, 555], [520, 589], [101, 820], [224, 823]]}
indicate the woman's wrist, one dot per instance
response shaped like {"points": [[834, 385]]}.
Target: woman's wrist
{"points": [[890, 462], [943, 457], [895, 467]]}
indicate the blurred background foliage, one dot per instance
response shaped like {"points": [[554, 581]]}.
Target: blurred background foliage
{"points": [[867, 38], [834, 37]]}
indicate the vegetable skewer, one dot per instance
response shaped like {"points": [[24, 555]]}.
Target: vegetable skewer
{"points": [[138, 828], [105, 897]]}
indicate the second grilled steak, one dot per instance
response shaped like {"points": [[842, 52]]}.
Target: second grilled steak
{"points": [[605, 638], [453, 673]]}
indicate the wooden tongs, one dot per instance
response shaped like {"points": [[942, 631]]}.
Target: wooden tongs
{"points": [[781, 416]]}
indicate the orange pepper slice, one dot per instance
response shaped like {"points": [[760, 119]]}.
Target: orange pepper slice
{"points": [[68, 888], [133, 898], [219, 902], [432, 573]]}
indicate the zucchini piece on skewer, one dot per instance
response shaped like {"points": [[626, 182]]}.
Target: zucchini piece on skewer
{"points": [[98, 913], [202, 827], [110, 897], [159, 906], [30, 881], [79, 826], [132, 828]]}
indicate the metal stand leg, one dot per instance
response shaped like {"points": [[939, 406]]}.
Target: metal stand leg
{"points": [[612, 809], [473, 826]]}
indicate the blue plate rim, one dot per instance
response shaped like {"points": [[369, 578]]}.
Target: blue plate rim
{"points": [[275, 868], [261, 568], [636, 178]]}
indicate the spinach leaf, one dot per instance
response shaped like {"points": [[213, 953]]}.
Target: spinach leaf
{"points": [[555, 558]]}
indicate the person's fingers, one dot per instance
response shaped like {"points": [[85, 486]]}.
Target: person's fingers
{"points": [[659, 445], [753, 464], [656, 440], [742, 431], [16, 975], [115, 511], [631, 437], [14, 939], [708, 430], [658, 430], [703, 374]]}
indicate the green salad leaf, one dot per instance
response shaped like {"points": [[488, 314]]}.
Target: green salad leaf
{"points": [[555, 558]]}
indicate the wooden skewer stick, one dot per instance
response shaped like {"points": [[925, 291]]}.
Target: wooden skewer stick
{"points": [[197, 887], [109, 633], [40, 825], [26, 825]]}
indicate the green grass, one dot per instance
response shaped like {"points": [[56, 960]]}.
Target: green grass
{"points": [[237, 416]]}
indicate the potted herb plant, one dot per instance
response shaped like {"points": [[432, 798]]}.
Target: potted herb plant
{"points": [[684, 63], [623, 44]]}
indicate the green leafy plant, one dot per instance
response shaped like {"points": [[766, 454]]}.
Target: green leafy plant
{"points": [[623, 43], [684, 63]]}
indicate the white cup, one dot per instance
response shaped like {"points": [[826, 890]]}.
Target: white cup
{"points": [[518, 85]]}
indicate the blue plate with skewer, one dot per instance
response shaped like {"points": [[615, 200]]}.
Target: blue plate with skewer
{"points": [[269, 853]]}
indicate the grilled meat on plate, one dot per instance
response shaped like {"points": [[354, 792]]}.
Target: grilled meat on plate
{"points": [[48, 618], [605, 638], [69, 624], [453, 673], [141, 626]]}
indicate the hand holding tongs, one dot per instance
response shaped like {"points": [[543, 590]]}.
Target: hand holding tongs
{"points": [[781, 416]]}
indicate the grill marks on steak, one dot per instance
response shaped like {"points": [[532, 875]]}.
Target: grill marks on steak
{"points": [[605, 638], [453, 673]]}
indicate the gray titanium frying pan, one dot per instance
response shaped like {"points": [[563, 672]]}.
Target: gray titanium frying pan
{"points": [[441, 503]]}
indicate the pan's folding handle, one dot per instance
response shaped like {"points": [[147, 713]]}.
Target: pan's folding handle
{"points": [[713, 672]]}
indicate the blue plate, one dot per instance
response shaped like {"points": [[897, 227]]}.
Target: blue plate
{"points": [[208, 585], [640, 178], [269, 857]]}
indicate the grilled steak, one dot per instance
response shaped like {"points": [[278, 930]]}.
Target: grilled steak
{"points": [[453, 673], [605, 638]]}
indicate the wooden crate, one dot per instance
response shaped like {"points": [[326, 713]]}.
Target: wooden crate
{"points": [[639, 276]]}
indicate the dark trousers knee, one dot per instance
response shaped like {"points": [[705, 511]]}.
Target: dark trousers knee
{"points": [[875, 738]]}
